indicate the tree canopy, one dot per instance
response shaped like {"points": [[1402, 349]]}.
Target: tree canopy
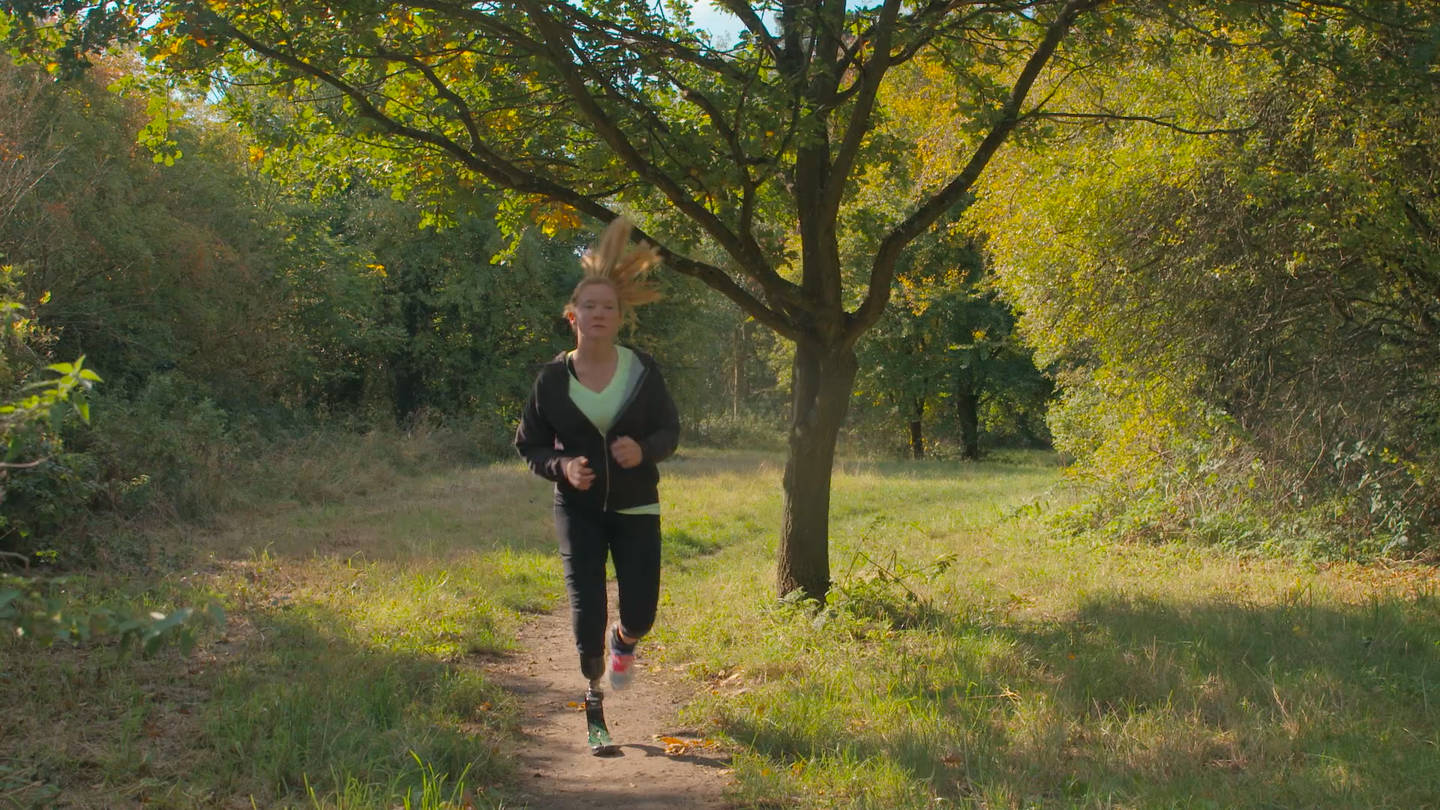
{"points": [[1248, 322]]}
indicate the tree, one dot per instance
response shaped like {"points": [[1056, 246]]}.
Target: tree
{"points": [[948, 345], [753, 151], [1250, 320], [413, 321]]}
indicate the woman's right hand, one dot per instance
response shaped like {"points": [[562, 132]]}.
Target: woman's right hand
{"points": [[578, 472]]}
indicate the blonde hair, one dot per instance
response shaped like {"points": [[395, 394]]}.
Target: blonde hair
{"points": [[612, 260]]}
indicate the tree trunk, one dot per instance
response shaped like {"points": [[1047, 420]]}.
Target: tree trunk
{"points": [[917, 431], [967, 410], [820, 394], [406, 384], [407, 379], [740, 390]]}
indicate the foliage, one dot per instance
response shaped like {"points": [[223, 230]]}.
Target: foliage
{"points": [[721, 367], [49, 401], [946, 356], [45, 610], [885, 593], [1245, 321], [231, 311], [395, 320], [797, 173], [41, 483]]}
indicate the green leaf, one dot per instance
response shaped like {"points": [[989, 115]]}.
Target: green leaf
{"points": [[100, 622], [187, 641]]}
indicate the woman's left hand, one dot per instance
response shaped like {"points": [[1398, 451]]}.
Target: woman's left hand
{"points": [[626, 452]]}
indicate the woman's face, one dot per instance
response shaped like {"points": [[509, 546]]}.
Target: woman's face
{"points": [[597, 312]]}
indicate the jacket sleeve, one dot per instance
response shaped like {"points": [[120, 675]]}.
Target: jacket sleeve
{"points": [[659, 444], [535, 440]]}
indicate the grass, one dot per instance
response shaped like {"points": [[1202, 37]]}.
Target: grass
{"points": [[348, 675], [968, 656]]}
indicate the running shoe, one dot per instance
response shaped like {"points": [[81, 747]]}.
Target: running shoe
{"points": [[622, 664]]}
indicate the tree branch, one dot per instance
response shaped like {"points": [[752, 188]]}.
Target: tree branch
{"points": [[746, 253], [872, 72], [882, 271], [755, 26], [507, 175], [462, 109], [929, 18], [629, 37], [730, 134], [720, 281], [481, 160], [14, 556], [1147, 119]]}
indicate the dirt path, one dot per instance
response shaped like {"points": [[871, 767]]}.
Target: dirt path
{"points": [[557, 770]]}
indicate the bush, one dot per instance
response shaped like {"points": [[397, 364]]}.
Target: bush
{"points": [[169, 447]]}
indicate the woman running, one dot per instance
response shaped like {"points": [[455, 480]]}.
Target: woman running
{"points": [[598, 419]]}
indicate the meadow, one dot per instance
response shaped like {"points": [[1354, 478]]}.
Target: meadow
{"points": [[970, 655]]}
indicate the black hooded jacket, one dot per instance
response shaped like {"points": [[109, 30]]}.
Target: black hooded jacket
{"points": [[552, 429]]}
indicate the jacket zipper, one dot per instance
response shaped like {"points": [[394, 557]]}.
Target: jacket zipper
{"points": [[605, 437], [605, 449]]}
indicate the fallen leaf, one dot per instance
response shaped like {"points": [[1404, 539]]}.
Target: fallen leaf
{"points": [[679, 746]]}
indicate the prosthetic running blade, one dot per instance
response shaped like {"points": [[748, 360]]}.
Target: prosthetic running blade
{"points": [[599, 734]]}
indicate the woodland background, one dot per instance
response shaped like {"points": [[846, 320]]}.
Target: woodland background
{"points": [[236, 308], [1225, 321]]}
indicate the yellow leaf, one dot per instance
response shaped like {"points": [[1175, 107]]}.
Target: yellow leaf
{"points": [[679, 746], [554, 217]]}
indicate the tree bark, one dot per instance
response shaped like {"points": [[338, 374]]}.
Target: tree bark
{"points": [[407, 380], [740, 389], [967, 410], [821, 386], [917, 431]]}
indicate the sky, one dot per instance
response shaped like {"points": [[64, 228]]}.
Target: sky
{"points": [[723, 25], [726, 27]]}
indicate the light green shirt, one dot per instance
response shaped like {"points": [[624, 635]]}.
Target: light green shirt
{"points": [[603, 407]]}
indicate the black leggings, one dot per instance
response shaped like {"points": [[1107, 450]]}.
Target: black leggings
{"points": [[633, 542]]}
